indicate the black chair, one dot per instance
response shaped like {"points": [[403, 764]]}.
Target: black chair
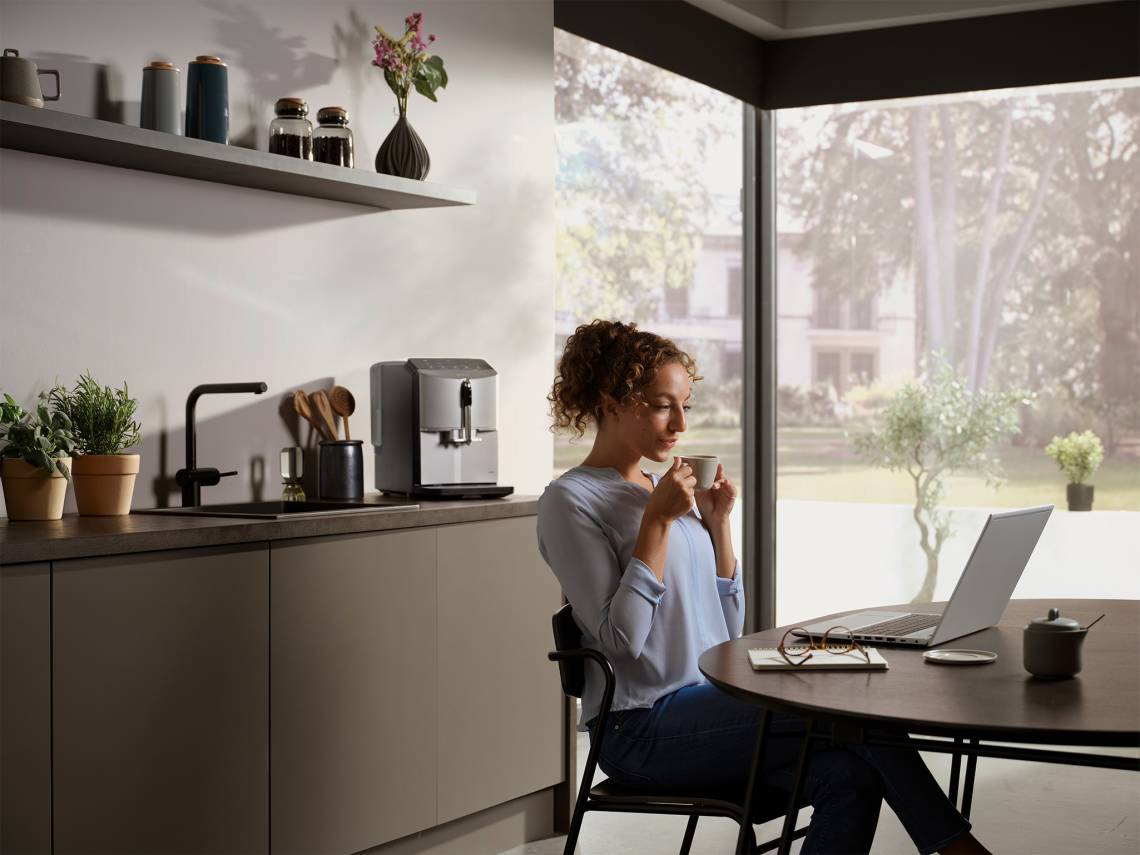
{"points": [[571, 657]]}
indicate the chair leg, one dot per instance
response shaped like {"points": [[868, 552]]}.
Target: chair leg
{"points": [[575, 828], [690, 830]]}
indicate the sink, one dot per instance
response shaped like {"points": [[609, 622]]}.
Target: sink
{"points": [[277, 510]]}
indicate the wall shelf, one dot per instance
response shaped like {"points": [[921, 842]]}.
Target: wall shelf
{"points": [[57, 134]]}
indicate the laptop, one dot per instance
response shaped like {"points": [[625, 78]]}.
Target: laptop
{"points": [[983, 590]]}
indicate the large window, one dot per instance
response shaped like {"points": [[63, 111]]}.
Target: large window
{"points": [[957, 284], [649, 227]]}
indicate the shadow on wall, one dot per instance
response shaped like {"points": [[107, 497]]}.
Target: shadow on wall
{"points": [[89, 88], [352, 45], [46, 187], [277, 66]]}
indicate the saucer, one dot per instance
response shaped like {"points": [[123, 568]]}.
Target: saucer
{"points": [[959, 657]]}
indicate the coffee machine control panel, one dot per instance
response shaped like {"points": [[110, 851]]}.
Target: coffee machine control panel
{"points": [[450, 365]]}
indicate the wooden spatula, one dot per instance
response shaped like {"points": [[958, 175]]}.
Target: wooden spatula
{"points": [[301, 405], [324, 410]]}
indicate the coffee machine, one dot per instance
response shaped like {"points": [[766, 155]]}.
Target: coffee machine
{"points": [[434, 428]]}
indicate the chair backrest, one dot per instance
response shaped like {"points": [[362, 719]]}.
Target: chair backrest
{"points": [[567, 636]]}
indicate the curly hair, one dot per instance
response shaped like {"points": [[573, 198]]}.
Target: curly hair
{"points": [[612, 358]]}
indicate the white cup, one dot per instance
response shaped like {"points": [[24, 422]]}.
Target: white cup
{"points": [[704, 467]]}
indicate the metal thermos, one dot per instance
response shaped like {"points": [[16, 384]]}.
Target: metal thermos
{"points": [[207, 100], [161, 108]]}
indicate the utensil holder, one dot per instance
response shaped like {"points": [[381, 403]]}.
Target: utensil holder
{"points": [[341, 469]]}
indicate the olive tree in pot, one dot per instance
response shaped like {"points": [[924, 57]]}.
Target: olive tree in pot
{"points": [[103, 421], [1078, 455], [35, 462], [933, 427]]}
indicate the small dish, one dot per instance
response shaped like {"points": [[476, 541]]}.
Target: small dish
{"points": [[959, 657]]}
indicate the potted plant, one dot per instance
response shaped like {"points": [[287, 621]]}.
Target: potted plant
{"points": [[35, 462], [1078, 455], [103, 421]]}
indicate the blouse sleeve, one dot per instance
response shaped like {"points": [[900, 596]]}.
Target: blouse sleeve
{"points": [[732, 602], [615, 604]]}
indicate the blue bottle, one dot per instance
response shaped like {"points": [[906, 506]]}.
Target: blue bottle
{"points": [[207, 100]]}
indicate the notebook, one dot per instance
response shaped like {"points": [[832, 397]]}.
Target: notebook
{"points": [[769, 659]]}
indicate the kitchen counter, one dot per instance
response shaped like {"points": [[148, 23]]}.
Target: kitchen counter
{"points": [[83, 537]]}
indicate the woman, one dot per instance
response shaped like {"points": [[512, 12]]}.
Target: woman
{"points": [[648, 565]]}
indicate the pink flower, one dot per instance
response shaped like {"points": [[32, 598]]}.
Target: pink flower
{"points": [[431, 38]]}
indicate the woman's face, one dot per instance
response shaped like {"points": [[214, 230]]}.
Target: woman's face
{"points": [[652, 430]]}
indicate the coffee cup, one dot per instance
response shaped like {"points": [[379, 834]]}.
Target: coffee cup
{"points": [[20, 81], [704, 467]]}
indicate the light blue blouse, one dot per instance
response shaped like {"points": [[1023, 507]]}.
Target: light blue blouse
{"points": [[653, 633]]}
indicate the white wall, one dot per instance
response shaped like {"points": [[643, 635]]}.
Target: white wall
{"points": [[167, 283]]}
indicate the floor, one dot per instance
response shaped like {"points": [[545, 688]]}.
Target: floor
{"points": [[1019, 809]]}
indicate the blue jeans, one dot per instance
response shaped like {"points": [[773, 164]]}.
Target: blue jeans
{"points": [[700, 737]]}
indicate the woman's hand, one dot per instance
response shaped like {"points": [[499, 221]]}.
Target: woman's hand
{"points": [[673, 495], [715, 503]]}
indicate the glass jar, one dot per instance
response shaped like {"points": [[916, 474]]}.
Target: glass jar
{"points": [[332, 140], [291, 133]]}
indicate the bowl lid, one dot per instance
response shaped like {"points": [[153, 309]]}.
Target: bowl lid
{"points": [[1054, 623]]}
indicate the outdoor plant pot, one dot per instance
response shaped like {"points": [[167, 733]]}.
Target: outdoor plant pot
{"points": [[1080, 497], [31, 493], [104, 483]]}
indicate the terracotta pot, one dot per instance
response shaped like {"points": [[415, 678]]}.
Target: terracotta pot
{"points": [[104, 483], [31, 493]]}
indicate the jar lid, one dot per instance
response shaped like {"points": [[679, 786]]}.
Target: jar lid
{"points": [[205, 59], [332, 115], [291, 107], [161, 64], [1054, 623]]}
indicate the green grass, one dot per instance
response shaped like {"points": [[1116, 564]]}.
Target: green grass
{"points": [[819, 464]]}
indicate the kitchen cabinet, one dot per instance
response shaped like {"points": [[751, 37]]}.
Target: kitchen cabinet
{"points": [[500, 703], [160, 713], [354, 701], [59, 134], [25, 708]]}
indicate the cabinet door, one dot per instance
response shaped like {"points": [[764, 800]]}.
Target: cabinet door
{"points": [[353, 690], [25, 708], [500, 703], [160, 711]]}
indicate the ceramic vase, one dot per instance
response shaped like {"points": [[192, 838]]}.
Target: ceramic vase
{"points": [[30, 493], [104, 483], [403, 153]]}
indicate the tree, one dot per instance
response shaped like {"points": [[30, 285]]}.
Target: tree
{"points": [[631, 196], [930, 428], [1016, 217]]}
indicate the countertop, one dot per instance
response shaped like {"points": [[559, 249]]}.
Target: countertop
{"points": [[83, 537]]}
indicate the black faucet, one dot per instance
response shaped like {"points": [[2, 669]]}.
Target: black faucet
{"points": [[192, 479]]}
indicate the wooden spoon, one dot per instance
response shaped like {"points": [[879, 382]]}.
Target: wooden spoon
{"points": [[324, 409], [301, 405], [343, 404]]}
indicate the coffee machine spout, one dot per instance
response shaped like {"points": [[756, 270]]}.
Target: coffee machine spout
{"points": [[465, 435]]}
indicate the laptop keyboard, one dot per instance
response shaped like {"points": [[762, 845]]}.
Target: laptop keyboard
{"points": [[904, 625]]}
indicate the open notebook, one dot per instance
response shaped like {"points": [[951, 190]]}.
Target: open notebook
{"points": [[769, 659]]}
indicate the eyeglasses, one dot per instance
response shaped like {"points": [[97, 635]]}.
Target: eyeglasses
{"points": [[798, 654]]}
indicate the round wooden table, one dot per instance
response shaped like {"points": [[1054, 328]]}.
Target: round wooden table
{"points": [[972, 704]]}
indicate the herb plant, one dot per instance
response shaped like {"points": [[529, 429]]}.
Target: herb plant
{"points": [[40, 438], [102, 418]]}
